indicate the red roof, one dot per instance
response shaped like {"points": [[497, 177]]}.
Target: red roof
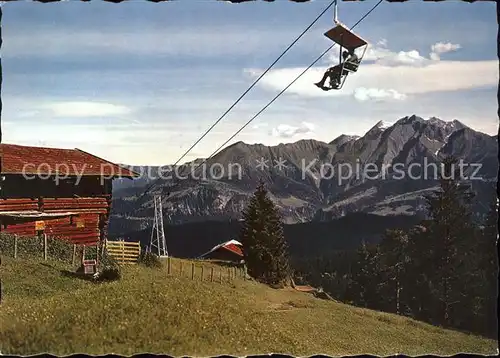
{"points": [[231, 245], [233, 248], [19, 159]]}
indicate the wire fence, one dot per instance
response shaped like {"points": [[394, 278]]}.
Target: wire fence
{"points": [[44, 247]]}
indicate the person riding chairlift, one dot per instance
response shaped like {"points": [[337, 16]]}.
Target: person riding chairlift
{"points": [[335, 72]]}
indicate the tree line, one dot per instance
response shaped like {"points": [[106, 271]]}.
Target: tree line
{"points": [[443, 271]]}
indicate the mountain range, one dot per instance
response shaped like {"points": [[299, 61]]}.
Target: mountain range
{"points": [[386, 171]]}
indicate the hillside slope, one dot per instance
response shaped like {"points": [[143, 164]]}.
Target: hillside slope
{"points": [[148, 311]]}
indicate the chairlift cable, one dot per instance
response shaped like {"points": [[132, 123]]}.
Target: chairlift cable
{"points": [[334, 2], [283, 90], [257, 80], [276, 97]]}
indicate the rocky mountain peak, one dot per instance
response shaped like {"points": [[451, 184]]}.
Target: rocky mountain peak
{"points": [[377, 129], [303, 186], [342, 139], [410, 120]]}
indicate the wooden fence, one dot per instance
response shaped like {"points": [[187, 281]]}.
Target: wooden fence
{"points": [[202, 270], [124, 252]]}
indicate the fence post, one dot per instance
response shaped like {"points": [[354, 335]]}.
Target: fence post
{"points": [[220, 272], [192, 270], [123, 252], [202, 272], [168, 265], [97, 255], [212, 274], [15, 246], [74, 255], [45, 247]]}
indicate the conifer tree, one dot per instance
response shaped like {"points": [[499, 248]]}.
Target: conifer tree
{"points": [[394, 258], [449, 246], [488, 266], [264, 247], [365, 277]]}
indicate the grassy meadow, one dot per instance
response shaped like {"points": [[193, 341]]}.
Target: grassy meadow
{"points": [[46, 310]]}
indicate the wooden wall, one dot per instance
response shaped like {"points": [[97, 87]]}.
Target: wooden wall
{"points": [[92, 205]]}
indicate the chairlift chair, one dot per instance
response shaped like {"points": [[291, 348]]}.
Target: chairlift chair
{"points": [[348, 40]]}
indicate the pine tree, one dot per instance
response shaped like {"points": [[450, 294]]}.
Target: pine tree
{"points": [[449, 246], [264, 247], [488, 265], [394, 259], [365, 277], [419, 268]]}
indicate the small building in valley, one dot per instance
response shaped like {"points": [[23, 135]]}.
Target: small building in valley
{"points": [[62, 193], [231, 250]]}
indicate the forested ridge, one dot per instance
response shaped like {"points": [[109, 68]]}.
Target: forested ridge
{"points": [[443, 271]]}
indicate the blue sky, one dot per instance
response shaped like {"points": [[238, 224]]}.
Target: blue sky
{"points": [[139, 82]]}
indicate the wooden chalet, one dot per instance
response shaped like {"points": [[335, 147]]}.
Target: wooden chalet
{"points": [[231, 250], [63, 193]]}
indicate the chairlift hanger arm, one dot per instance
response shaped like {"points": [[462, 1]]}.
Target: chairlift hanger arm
{"points": [[335, 12]]}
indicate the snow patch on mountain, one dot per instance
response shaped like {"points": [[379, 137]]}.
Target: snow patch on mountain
{"points": [[384, 125]]}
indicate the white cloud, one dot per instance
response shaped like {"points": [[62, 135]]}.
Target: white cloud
{"points": [[259, 125], [440, 48], [386, 75], [288, 131], [365, 94], [403, 58], [86, 109], [382, 42], [440, 76], [380, 54]]}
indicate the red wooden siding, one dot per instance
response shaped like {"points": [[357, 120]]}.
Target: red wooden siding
{"points": [[83, 205], [67, 228], [94, 205], [22, 229], [18, 205]]}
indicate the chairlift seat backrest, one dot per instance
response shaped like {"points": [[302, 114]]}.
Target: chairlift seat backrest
{"points": [[351, 66]]}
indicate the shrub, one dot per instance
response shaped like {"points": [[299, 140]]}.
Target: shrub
{"points": [[109, 274], [108, 268], [58, 249], [32, 247], [149, 259]]}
